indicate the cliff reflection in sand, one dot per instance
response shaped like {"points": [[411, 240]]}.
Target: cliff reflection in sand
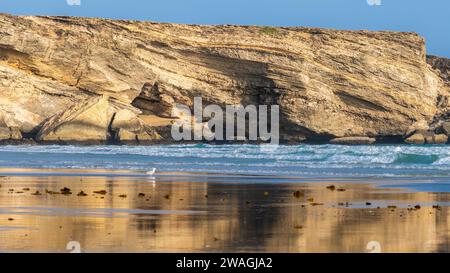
{"points": [[139, 215]]}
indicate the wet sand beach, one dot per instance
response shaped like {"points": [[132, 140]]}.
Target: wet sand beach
{"points": [[106, 211]]}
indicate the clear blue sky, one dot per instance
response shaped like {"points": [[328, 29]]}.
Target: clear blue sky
{"points": [[428, 18]]}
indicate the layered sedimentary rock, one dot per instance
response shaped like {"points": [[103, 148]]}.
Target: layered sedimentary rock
{"points": [[442, 65], [441, 121], [84, 122], [27, 100], [97, 120], [54, 72]]}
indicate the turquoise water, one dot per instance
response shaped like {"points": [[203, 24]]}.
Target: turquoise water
{"points": [[323, 161]]}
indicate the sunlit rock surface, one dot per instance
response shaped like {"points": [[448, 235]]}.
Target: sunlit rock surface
{"points": [[328, 83]]}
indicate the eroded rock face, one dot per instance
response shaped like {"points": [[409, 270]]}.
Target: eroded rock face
{"points": [[416, 138], [86, 122], [27, 100], [441, 121], [98, 120], [9, 133], [137, 137], [353, 140], [442, 65], [128, 128], [427, 138], [328, 83]]}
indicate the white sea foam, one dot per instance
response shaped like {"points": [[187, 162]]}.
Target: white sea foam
{"points": [[300, 160]]}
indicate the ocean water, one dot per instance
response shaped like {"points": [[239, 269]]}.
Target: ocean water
{"points": [[313, 161]]}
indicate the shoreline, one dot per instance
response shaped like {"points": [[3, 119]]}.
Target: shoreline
{"points": [[241, 178]]}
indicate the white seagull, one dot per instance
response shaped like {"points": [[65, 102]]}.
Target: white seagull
{"points": [[153, 171]]}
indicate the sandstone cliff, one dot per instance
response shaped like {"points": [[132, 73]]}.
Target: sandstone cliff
{"points": [[442, 65], [66, 79], [441, 121]]}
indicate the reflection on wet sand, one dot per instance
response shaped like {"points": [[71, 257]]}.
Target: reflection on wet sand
{"points": [[139, 214]]}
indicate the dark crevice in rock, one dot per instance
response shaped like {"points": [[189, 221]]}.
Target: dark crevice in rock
{"points": [[6, 51], [358, 102], [113, 138], [30, 135], [390, 139]]}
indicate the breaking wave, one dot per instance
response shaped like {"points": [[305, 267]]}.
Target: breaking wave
{"points": [[298, 161]]}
